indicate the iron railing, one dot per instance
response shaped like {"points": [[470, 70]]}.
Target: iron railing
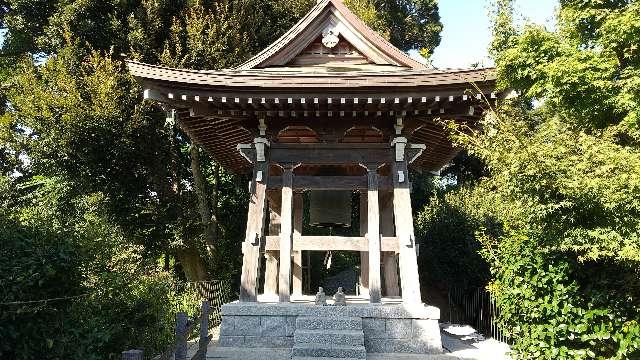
{"points": [[477, 308]]}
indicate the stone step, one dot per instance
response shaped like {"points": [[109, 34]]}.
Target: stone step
{"points": [[328, 323], [320, 358], [315, 350], [324, 336]]}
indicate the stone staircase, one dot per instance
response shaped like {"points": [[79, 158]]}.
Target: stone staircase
{"points": [[328, 338]]}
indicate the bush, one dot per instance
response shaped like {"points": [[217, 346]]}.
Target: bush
{"points": [[449, 251], [556, 307], [110, 298], [35, 265]]}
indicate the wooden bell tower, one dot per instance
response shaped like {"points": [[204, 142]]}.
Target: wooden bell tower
{"points": [[331, 105]]}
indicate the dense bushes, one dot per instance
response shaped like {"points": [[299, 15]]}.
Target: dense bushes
{"points": [[554, 303], [562, 184], [103, 297], [35, 265], [449, 249]]}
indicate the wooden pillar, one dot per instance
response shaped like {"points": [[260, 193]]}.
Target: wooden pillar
{"points": [[254, 234], [297, 232], [364, 255], [403, 216], [271, 257], [390, 264], [373, 235], [284, 280], [271, 273], [389, 258]]}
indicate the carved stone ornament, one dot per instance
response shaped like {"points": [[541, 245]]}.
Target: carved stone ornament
{"points": [[330, 38], [321, 298], [339, 298]]}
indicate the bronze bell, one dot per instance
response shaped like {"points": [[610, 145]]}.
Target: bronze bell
{"points": [[330, 207]]}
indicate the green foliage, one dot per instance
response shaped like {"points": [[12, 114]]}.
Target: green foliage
{"points": [[588, 71], [99, 181], [561, 186], [557, 307], [107, 296], [36, 265], [412, 24], [449, 249], [565, 270]]}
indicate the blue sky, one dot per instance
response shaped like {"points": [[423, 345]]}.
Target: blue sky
{"points": [[467, 33]]}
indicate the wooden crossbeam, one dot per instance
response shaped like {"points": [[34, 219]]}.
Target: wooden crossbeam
{"points": [[330, 154], [330, 182], [337, 243]]}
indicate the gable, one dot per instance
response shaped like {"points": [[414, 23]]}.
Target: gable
{"points": [[301, 44], [318, 53]]}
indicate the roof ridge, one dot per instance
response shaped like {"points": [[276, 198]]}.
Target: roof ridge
{"points": [[248, 64], [339, 4], [370, 36], [275, 73]]}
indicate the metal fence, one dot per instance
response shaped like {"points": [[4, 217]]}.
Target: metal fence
{"points": [[475, 307]]}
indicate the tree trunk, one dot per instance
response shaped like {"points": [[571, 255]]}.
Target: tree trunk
{"points": [[214, 203], [191, 261], [192, 265], [207, 216]]}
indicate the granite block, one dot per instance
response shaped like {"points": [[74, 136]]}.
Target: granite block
{"points": [[395, 311], [273, 325], [403, 346], [231, 341], [329, 337], [268, 342], [227, 326], [291, 325], [425, 329], [329, 351], [335, 323], [247, 325], [374, 328], [398, 328]]}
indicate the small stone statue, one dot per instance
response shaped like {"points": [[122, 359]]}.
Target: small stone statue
{"points": [[339, 299], [321, 298]]}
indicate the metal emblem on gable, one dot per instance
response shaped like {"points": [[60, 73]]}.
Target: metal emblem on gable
{"points": [[330, 38]]}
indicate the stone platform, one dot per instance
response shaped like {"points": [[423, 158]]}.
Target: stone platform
{"points": [[388, 327]]}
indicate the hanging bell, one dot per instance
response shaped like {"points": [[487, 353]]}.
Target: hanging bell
{"points": [[329, 207]]}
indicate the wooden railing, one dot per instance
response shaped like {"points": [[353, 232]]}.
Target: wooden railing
{"points": [[184, 327]]}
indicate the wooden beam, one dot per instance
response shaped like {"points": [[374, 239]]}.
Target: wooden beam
{"points": [[408, 260], [330, 182], [364, 255], [390, 265], [284, 280], [253, 237], [297, 232], [389, 258], [337, 243], [330, 154], [373, 235], [271, 273], [271, 257]]}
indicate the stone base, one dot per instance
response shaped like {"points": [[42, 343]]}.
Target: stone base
{"points": [[390, 327]]}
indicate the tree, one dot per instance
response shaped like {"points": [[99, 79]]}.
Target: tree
{"points": [[195, 34], [562, 181]]}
